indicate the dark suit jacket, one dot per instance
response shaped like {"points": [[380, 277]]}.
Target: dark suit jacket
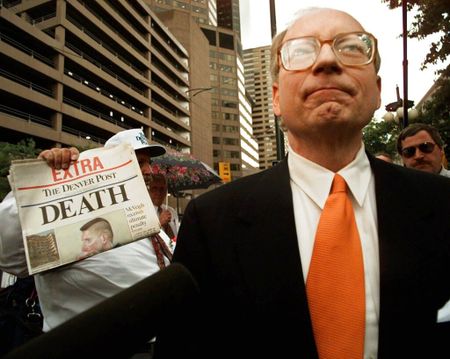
{"points": [[240, 243]]}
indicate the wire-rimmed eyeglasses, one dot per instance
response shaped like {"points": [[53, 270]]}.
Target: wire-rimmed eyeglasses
{"points": [[350, 48]]}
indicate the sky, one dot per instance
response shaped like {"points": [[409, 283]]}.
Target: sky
{"points": [[375, 17]]}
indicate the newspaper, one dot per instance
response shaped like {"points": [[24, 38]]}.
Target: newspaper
{"points": [[104, 185]]}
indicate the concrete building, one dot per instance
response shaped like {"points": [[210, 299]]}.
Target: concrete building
{"points": [[232, 133], [228, 15], [259, 85], [184, 27], [76, 72], [202, 11]]}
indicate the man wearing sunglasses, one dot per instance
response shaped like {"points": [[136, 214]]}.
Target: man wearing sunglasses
{"points": [[421, 147]]}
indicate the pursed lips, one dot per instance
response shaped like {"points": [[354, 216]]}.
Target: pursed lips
{"points": [[329, 89]]}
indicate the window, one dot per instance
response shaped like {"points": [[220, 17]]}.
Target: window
{"points": [[210, 35], [226, 41]]}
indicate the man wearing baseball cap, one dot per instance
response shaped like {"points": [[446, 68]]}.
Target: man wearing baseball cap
{"points": [[144, 151], [72, 289], [136, 138]]}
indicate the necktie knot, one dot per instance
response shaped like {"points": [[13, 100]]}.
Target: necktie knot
{"points": [[339, 184]]}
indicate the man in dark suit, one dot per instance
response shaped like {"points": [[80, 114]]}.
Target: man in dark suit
{"points": [[249, 244]]}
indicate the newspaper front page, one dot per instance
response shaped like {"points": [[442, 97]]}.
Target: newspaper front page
{"points": [[104, 187]]}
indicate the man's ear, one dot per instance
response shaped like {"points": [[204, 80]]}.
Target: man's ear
{"points": [[104, 239], [276, 99], [379, 91]]}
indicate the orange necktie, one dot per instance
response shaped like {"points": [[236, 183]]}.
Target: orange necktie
{"points": [[335, 283]]}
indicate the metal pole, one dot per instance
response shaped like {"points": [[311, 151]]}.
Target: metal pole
{"points": [[279, 136], [405, 64], [273, 19]]}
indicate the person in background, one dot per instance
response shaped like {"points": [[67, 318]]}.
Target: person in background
{"points": [[96, 237], [274, 282], [421, 147], [168, 217], [67, 291], [384, 156]]}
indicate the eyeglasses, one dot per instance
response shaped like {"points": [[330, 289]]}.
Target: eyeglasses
{"points": [[351, 49], [426, 147]]}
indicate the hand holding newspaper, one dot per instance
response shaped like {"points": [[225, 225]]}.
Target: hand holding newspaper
{"points": [[104, 185]]}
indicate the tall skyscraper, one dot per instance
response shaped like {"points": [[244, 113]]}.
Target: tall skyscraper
{"points": [[203, 11], [232, 132], [259, 85], [228, 15]]}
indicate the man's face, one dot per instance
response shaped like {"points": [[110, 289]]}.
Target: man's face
{"points": [[158, 192], [144, 164], [92, 242], [428, 162], [328, 98]]}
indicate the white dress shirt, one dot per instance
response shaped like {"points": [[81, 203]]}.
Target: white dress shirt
{"points": [[311, 185], [174, 222]]}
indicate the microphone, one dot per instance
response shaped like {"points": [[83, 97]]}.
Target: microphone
{"points": [[120, 325]]}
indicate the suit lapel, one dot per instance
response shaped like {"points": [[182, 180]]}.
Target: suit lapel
{"points": [[268, 221], [403, 251], [268, 252]]}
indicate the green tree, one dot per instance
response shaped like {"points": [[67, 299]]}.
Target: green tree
{"points": [[8, 152], [436, 112], [432, 18], [381, 136]]}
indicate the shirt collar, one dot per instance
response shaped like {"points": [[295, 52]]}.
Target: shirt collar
{"points": [[316, 180]]}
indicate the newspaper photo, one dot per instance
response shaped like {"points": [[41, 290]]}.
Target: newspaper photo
{"points": [[100, 202]]}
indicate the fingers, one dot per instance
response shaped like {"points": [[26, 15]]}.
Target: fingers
{"points": [[60, 158], [165, 217]]}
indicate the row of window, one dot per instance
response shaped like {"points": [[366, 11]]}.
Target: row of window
{"points": [[227, 154], [225, 128], [221, 67], [226, 141], [224, 116]]}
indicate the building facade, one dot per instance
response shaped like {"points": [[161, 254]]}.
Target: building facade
{"points": [[204, 12], [259, 85], [232, 131], [76, 72], [228, 15]]}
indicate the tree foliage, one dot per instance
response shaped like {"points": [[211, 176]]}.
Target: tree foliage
{"points": [[436, 112], [433, 17], [381, 136], [8, 152]]}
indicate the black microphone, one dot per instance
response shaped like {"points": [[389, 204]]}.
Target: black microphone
{"points": [[120, 325]]}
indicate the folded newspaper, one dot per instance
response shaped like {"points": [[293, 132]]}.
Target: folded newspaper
{"points": [[104, 185]]}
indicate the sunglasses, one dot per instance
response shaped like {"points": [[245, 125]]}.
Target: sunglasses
{"points": [[426, 147]]}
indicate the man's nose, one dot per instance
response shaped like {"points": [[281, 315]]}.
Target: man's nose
{"points": [[419, 154], [326, 61]]}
